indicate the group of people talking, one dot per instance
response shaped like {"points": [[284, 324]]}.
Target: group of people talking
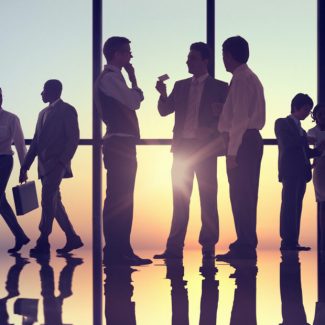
{"points": [[212, 119]]}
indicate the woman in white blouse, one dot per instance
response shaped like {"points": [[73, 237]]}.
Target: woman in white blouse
{"points": [[317, 136], [10, 131]]}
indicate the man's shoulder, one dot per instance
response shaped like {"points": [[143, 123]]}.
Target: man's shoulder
{"points": [[67, 108], [218, 83], [282, 119], [10, 115], [183, 81]]}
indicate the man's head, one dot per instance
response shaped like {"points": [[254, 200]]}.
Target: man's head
{"points": [[198, 59], [301, 105], [235, 52], [52, 91], [117, 51], [1, 98]]}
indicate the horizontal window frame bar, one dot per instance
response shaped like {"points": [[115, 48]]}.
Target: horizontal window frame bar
{"points": [[151, 142]]}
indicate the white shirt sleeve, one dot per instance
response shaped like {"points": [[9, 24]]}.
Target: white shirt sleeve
{"points": [[19, 140], [241, 94], [116, 87]]}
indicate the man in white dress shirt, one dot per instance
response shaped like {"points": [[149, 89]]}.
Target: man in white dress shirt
{"points": [[116, 104], [10, 131], [242, 117]]}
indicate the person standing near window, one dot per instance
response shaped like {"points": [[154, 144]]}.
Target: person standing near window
{"points": [[317, 134], [10, 132], [294, 169], [117, 104], [242, 117]]}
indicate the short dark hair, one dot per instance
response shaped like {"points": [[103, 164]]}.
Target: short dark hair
{"points": [[203, 48], [299, 101], [238, 47], [113, 45], [319, 107], [54, 86]]}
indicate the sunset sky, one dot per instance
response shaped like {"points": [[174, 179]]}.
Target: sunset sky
{"points": [[43, 39]]}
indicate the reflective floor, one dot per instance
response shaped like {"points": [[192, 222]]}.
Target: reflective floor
{"points": [[277, 290]]}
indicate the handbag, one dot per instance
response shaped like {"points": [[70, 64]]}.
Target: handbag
{"points": [[25, 198]]}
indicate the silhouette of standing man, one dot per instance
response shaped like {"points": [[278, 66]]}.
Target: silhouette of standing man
{"points": [[242, 117], [116, 104], [294, 169], [195, 102], [55, 142]]}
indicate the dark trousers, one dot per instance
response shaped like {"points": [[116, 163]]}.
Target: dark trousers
{"points": [[244, 306], [187, 162], [293, 191], [321, 225], [6, 163], [243, 186], [52, 206], [293, 311], [121, 165]]}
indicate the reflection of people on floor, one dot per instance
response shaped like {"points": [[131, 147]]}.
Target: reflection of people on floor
{"points": [[119, 309], [210, 293], [244, 306], [12, 286], [175, 273], [52, 304], [293, 312], [320, 304]]}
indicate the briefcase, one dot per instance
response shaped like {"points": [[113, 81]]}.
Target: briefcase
{"points": [[25, 197]]}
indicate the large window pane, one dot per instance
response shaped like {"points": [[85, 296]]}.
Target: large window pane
{"points": [[40, 40]]}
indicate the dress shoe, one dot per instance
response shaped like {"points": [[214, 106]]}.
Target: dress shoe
{"points": [[166, 255], [70, 245], [131, 260], [136, 260], [41, 248], [19, 244], [294, 248], [302, 248], [231, 255]]}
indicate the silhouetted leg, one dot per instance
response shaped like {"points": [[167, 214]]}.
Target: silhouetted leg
{"points": [[321, 224], [206, 173], [6, 163], [66, 276], [12, 283], [62, 217], [175, 272], [10, 218], [301, 194], [119, 309], [244, 306], [121, 164], [210, 294], [52, 310], [293, 311], [292, 195], [12, 287], [182, 181], [50, 189], [243, 186]]}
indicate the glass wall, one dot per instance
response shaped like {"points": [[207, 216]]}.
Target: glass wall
{"points": [[41, 40]]}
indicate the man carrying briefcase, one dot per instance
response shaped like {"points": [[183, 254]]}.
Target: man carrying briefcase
{"points": [[55, 142]]}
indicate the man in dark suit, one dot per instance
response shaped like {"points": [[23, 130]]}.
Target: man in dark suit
{"points": [[294, 169], [55, 142], [197, 103]]}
